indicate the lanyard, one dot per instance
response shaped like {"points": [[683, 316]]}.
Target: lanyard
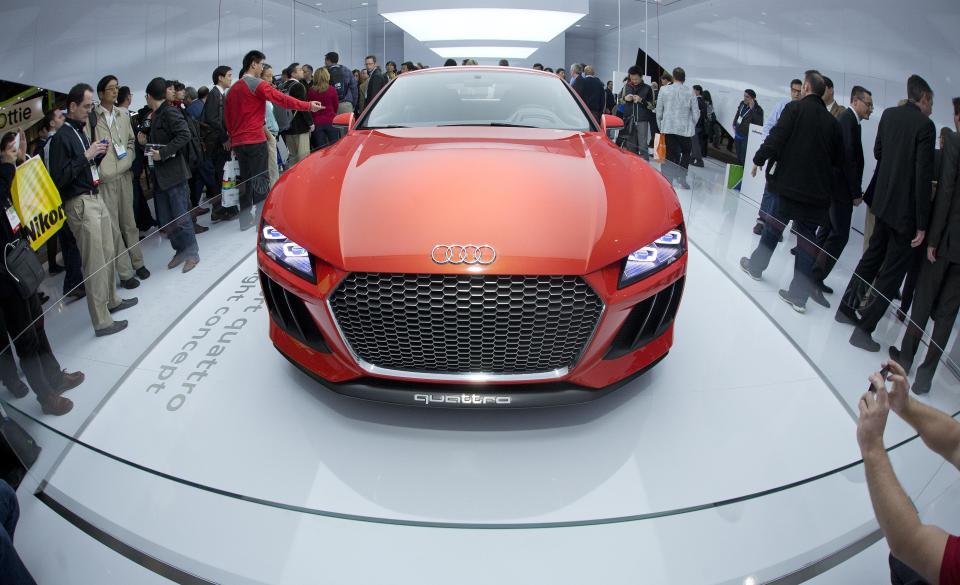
{"points": [[83, 142], [743, 114]]}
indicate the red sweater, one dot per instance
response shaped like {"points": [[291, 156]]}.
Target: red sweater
{"points": [[246, 107], [330, 104]]}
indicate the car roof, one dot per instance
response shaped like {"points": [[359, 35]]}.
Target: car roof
{"points": [[493, 68]]}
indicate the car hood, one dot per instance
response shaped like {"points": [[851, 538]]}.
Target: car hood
{"points": [[548, 201]]}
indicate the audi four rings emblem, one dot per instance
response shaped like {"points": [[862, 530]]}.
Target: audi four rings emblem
{"points": [[463, 254]]}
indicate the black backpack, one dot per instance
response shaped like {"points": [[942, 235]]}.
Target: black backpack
{"points": [[282, 115], [338, 81], [193, 151]]}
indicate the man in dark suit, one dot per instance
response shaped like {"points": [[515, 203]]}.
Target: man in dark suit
{"points": [[803, 149], [833, 238], [592, 92], [216, 141], [938, 291], [901, 204]]}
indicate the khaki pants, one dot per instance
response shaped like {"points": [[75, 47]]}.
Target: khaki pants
{"points": [[90, 223], [299, 147], [117, 195], [273, 171], [344, 107]]}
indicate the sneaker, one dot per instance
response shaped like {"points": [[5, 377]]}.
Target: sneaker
{"points": [[70, 380], [117, 327], [177, 260], [143, 273], [199, 229], [190, 264], [794, 303], [130, 283], [817, 297], [56, 405], [124, 304], [17, 388], [863, 340], [745, 266]]}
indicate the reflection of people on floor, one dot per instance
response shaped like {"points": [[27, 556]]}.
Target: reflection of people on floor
{"points": [[12, 570], [915, 547]]}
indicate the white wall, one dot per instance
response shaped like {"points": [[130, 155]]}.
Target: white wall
{"points": [[583, 50]]}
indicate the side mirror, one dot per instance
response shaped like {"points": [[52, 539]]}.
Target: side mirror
{"points": [[611, 125], [344, 120]]}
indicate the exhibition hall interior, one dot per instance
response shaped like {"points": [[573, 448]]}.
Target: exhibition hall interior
{"points": [[472, 291]]}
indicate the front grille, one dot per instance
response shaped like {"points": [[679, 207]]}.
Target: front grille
{"points": [[290, 313], [648, 320], [455, 324]]}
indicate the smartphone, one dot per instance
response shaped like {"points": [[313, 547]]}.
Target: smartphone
{"points": [[883, 374]]}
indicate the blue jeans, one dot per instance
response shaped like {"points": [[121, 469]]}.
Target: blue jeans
{"points": [[12, 570], [173, 207], [767, 204], [741, 152]]}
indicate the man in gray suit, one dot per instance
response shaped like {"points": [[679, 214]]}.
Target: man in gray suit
{"points": [[938, 291]]}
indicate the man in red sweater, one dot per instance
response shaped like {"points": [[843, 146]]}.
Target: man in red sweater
{"points": [[244, 112]]}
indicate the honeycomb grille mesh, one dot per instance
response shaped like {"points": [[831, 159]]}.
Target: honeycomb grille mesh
{"points": [[458, 324]]}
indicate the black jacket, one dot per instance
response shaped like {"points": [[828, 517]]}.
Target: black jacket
{"points": [[376, 82], [169, 129], [302, 120], [807, 148], [752, 115], [904, 151], [702, 120], [213, 130], [945, 219], [7, 172], [69, 168], [851, 171], [639, 109], [592, 92], [577, 84]]}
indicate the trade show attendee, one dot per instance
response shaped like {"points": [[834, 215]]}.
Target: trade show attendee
{"points": [[918, 550], [74, 168], [833, 238], [833, 107], [699, 147], [169, 137], [392, 70], [321, 91], [244, 113], [637, 98], [677, 117], [609, 99], [450, 63], [23, 318], [592, 92], [408, 66], [52, 121], [807, 145], [362, 89], [562, 73], [901, 206], [307, 75], [767, 201], [576, 77], [748, 112], [538, 67], [272, 130], [216, 140], [938, 289], [342, 80], [377, 78], [297, 136], [12, 569], [192, 103], [109, 122]]}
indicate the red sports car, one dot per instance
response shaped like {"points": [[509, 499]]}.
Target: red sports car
{"points": [[476, 239]]}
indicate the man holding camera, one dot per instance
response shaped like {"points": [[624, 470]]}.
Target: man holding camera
{"points": [[636, 98]]}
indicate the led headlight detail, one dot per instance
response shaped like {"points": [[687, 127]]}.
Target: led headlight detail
{"points": [[663, 252], [287, 253]]}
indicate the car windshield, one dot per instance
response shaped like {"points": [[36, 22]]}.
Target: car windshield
{"points": [[477, 98]]}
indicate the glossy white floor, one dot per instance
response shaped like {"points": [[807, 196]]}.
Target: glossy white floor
{"points": [[733, 459]]}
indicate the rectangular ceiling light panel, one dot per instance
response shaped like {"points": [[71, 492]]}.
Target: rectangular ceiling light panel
{"points": [[484, 24], [484, 52]]}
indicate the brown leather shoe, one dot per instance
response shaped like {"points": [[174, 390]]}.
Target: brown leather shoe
{"points": [[70, 381], [190, 264], [199, 229], [56, 405]]}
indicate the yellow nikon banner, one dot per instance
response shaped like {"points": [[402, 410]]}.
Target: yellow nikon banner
{"points": [[37, 202], [21, 115]]}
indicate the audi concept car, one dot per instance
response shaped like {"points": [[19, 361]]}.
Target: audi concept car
{"points": [[475, 239]]}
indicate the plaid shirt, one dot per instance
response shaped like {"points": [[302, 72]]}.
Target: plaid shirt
{"points": [[677, 110]]}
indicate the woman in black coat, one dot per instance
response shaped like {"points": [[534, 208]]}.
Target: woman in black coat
{"points": [[24, 317]]}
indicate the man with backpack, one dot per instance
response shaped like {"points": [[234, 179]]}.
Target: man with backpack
{"points": [[343, 81], [299, 124], [166, 143]]}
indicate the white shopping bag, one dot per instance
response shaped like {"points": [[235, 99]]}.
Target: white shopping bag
{"points": [[230, 193]]}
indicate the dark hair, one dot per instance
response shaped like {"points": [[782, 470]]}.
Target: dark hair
{"points": [[810, 72], [76, 94], [157, 88], [374, 57], [548, 69], [858, 93], [795, 82], [504, 63], [8, 138], [203, 92], [707, 97], [559, 69], [817, 83], [450, 63], [698, 88], [540, 65], [750, 93], [665, 76], [179, 86], [827, 81], [47, 120], [392, 63], [956, 106], [410, 66], [633, 70], [917, 87], [102, 84], [333, 57], [289, 70], [171, 83], [679, 74], [307, 66], [220, 72], [123, 93], [252, 57]]}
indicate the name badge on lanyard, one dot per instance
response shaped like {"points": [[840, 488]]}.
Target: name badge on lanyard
{"points": [[95, 172], [14, 219]]}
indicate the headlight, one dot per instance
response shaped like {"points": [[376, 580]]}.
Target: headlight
{"points": [[286, 252], [653, 257]]}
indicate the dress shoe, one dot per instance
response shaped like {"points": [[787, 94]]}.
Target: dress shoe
{"points": [[794, 302], [177, 260], [922, 383], [824, 288], [77, 293], [198, 211], [56, 405], [56, 268], [17, 388], [117, 327], [70, 380], [863, 340], [199, 229], [758, 228], [745, 266], [223, 214], [190, 264], [894, 353], [124, 304], [130, 283], [143, 273], [846, 315], [44, 297], [817, 297]]}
